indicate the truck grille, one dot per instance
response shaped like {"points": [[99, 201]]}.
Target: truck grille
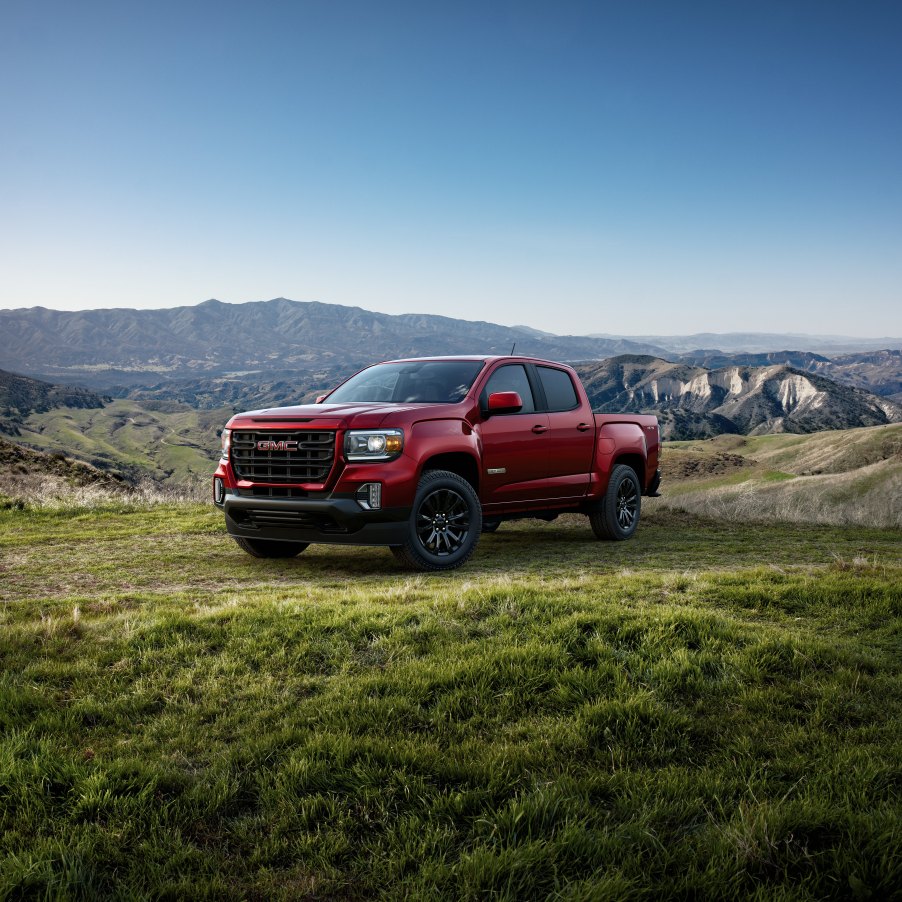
{"points": [[309, 461]]}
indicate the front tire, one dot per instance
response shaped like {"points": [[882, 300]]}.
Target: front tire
{"points": [[444, 525], [617, 516], [270, 548]]}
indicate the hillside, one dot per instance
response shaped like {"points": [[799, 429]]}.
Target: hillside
{"points": [[37, 477], [249, 392], [21, 396], [217, 338], [692, 401], [169, 444], [852, 476]]}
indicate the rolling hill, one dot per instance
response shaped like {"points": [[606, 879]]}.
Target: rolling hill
{"points": [[170, 445], [848, 477], [21, 396], [33, 476]]}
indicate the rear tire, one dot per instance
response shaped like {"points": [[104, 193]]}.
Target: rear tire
{"points": [[270, 547], [444, 525], [617, 516]]}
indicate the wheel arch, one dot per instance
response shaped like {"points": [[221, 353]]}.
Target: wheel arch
{"points": [[459, 462], [636, 462]]}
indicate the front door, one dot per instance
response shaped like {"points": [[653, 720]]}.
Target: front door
{"points": [[513, 448]]}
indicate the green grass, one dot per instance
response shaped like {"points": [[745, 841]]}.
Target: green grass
{"points": [[705, 711]]}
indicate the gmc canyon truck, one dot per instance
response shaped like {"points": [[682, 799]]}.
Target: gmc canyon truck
{"points": [[424, 455]]}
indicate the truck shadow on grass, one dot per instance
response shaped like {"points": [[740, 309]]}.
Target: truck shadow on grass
{"points": [[567, 549]]}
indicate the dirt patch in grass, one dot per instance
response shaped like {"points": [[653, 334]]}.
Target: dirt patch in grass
{"points": [[679, 466]]}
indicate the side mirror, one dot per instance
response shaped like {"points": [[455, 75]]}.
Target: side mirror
{"points": [[321, 398], [504, 402]]}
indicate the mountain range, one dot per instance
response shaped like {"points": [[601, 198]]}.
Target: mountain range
{"points": [[100, 349], [106, 347]]}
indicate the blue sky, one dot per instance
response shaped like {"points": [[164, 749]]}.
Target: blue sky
{"points": [[599, 167]]}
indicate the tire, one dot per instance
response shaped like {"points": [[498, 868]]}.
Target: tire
{"points": [[444, 525], [270, 547], [490, 525], [617, 515]]}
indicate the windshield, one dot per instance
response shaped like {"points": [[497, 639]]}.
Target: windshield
{"points": [[418, 381]]}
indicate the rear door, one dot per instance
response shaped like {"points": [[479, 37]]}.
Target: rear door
{"points": [[513, 444], [570, 440]]}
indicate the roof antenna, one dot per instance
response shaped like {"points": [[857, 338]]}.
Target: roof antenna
{"points": [[514, 345]]}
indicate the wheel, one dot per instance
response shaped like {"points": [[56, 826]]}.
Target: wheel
{"points": [[444, 525], [490, 525], [270, 547], [617, 516]]}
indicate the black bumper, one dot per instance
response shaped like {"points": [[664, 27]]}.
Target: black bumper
{"points": [[332, 520]]}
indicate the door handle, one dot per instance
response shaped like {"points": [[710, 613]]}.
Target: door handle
{"points": [[584, 427], [538, 430]]}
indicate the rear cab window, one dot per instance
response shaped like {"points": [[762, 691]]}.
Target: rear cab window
{"points": [[558, 387]]}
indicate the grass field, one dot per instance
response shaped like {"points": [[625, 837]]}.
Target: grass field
{"points": [[701, 712]]}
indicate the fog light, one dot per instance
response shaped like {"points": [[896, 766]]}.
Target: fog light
{"points": [[369, 496], [218, 490]]}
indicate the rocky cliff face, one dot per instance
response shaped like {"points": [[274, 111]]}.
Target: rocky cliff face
{"points": [[878, 371], [694, 402]]}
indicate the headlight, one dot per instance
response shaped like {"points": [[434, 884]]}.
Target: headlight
{"points": [[373, 444], [226, 443]]}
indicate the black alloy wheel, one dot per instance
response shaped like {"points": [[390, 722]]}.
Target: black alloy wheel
{"points": [[444, 525], [617, 514], [627, 504], [443, 522]]}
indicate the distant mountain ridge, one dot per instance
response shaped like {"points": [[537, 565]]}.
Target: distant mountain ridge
{"points": [[761, 342], [219, 338]]}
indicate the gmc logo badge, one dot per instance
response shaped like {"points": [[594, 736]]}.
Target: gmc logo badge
{"points": [[277, 446]]}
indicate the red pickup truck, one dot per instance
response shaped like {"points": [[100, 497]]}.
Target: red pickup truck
{"points": [[424, 455]]}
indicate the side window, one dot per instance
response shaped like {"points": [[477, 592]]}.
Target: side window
{"points": [[512, 377], [559, 391]]}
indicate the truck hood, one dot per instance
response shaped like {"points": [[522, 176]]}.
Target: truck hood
{"points": [[326, 416]]}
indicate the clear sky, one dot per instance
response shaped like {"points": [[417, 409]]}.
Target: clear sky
{"points": [[626, 167]]}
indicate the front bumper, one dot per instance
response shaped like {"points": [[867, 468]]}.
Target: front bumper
{"points": [[334, 520]]}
